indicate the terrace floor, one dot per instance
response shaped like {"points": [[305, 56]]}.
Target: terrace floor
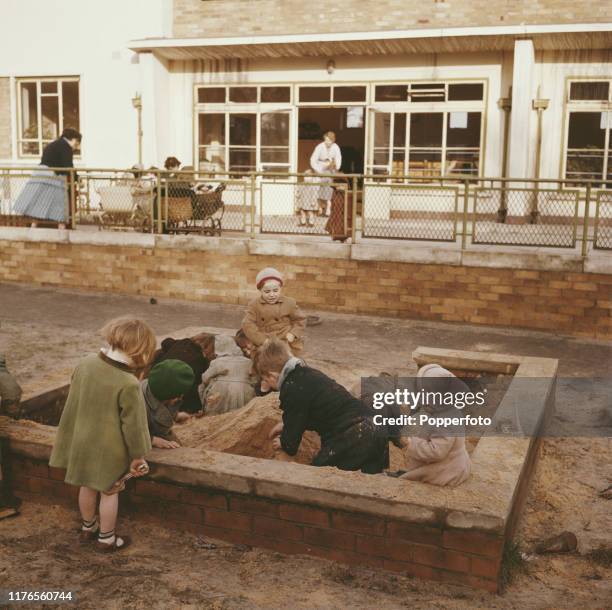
{"points": [[44, 332]]}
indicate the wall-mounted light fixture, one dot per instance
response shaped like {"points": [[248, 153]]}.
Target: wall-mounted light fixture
{"points": [[331, 66]]}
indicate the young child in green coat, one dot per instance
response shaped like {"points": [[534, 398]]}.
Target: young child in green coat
{"points": [[103, 430]]}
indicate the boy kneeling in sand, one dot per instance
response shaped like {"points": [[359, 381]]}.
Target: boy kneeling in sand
{"points": [[310, 400], [163, 392]]}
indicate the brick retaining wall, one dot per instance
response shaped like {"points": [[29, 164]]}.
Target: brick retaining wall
{"points": [[563, 301], [445, 554]]}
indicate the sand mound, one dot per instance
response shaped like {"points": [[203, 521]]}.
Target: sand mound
{"points": [[244, 431]]}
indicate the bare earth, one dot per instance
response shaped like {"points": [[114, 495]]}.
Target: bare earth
{"points": [[44, 332]]}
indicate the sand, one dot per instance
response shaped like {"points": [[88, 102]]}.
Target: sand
{"points": [[244, 431]]}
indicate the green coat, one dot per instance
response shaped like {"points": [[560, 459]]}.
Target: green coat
{"points": [[103, 426]]}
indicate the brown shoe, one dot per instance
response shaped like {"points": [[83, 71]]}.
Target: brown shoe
{"points": [[113, 548], [86, 536]]}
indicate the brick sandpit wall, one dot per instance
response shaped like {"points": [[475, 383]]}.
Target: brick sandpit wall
{"points": [[551, 292], [448, 555]]}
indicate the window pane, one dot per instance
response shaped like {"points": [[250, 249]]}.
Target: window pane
{"points": [[462, 162], [211, 95], [315, 94], [212, 158], [426, 129], [382, 129], [349, 94], [212, 129], [586, 164], [50, 117], [399, 130], [47, 87], [427, 92], [70, 102], [29, 116], [242, 159], [30, 148], [275, 129], [381, 157], [391, 93], [243, 95], [275, 94], [242, 129], [425, 163], [463, 129], [465, 91], [586, 130], [275, 155], [589, 90]]}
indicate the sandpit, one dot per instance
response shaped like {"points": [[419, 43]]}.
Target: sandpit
{"points": [[243, 431]]}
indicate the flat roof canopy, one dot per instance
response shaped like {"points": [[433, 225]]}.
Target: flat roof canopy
{"points": [[452, 40]]}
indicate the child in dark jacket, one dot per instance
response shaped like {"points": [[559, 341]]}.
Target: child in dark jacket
{"points": [[310, 400]]}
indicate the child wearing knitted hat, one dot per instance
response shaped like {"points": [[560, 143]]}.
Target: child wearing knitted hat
{"points": [[274, 315], [163, 393]]}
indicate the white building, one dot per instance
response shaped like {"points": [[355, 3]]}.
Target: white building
{"points": [[530, 95]]}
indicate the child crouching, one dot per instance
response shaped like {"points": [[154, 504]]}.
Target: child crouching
{"points": [[310, 400], [434, 457], [103, 429], [163, 392]]}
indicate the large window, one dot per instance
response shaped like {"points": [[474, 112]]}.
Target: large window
{"points": [[46, 108], [244, 129], [427, 144], [589, 123], [427, 129]]}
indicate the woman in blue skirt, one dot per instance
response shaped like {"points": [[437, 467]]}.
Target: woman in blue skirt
{"points": [[45, 196]]}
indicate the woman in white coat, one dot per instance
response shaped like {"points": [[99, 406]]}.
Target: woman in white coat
{"points": [[326, 159]]}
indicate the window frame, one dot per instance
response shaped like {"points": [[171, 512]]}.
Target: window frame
{"points": [[38, 80], [587, 106]]}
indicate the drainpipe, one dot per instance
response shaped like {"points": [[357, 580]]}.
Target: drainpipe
{"points": [[539, 105], [505, 103], [137, 103]]}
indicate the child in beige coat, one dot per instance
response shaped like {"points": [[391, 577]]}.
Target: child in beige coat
{"points": [[433, 457], [273, 315]]}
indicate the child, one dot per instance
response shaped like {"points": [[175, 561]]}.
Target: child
{"points": [[103, 429], [433, 457], [228, 383], [273, 315], [163, 391], [310, 400], [307, 198], [247, 348], [191, 353]]}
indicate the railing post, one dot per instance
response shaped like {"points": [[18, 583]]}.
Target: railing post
{"points": [[253, 203], [354, 212], [466, 195], [158, 203], [72, 199], [585, 227]]}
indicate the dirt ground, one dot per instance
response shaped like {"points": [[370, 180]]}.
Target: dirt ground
{"points": [[44, 332]]}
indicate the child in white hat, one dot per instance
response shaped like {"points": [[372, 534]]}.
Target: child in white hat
{"points": [[274, 315]]}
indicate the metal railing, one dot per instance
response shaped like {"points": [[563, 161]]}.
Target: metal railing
{"points": [[457, 209]]}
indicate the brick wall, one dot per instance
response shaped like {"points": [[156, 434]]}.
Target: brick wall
{"points": [[449, 555], [566, 302], [5, 119], [215, 18]]}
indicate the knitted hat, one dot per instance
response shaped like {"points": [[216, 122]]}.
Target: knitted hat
{"points": [[269, 273], [170, 378]]}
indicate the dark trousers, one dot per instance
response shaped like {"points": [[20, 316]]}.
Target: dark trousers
{"points": [[359, 447]]}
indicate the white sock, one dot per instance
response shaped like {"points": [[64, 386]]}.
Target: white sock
{"points": [[110, 538]]}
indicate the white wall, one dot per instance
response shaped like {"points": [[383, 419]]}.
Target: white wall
{"points": [[85, 38]]}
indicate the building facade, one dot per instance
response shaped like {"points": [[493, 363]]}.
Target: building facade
{"points": [[477, 88]]}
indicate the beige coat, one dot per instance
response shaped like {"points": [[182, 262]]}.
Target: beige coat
{"points": [[439, 460], [262, 321]]}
